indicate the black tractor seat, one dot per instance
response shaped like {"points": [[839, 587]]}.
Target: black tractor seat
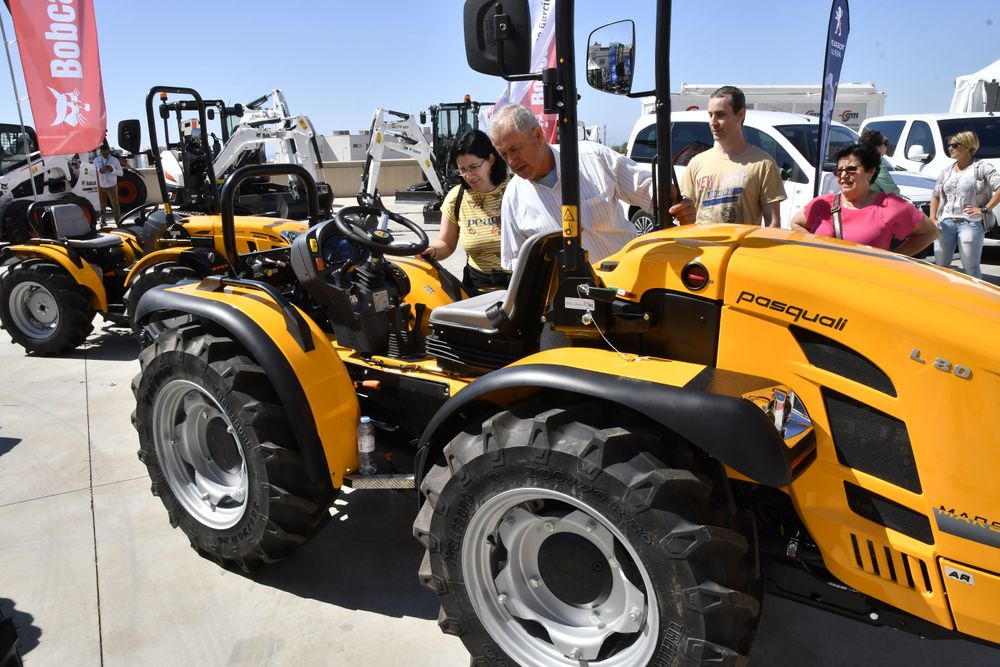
{"points": [[71, 224], [492, 329]]}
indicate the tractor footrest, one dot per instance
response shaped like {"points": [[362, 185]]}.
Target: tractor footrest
{"points": [[407, 481]]}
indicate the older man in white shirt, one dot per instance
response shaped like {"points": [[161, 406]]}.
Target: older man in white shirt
{"points": [[533, 200]]}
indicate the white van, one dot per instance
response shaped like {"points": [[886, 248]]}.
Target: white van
{"points": [[916, 141], [791, 139]]}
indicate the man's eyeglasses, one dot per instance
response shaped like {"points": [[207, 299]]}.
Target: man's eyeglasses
{"points": [[850, 169], [471, 168], [954, 145]]}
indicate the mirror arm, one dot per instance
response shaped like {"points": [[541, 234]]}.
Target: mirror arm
{"points": [[536, 76]]}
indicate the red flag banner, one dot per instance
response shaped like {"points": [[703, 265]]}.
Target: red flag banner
{"points": [[57, 41]]}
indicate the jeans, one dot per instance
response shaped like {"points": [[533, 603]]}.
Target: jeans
{"points": [[968, 236]]}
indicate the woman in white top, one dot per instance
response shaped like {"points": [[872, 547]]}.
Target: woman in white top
{"points": [[963, 192]]}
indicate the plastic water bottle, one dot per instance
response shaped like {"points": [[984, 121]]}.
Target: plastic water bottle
{"points": [[366, 447]]}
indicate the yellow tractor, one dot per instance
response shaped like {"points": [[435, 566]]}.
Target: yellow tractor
{"points": [[57, 281], [731, 409]]}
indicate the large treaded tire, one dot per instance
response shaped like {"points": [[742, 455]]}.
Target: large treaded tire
{"points": [[511, 565], [242, 496], [43, 309], [10, 655], [164, 273]]}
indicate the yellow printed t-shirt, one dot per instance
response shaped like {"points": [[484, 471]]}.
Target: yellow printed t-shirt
{"points": [[732, 188], [478, 224]]}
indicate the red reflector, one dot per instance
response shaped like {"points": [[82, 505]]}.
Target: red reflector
{"points": [[694, 276], [319, 263]]}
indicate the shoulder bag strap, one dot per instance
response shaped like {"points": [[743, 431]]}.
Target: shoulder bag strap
{"points": [[838, 228], [458, 201]]}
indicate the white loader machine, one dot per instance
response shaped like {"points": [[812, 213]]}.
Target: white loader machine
{"points": [[56, 177], [246, 131]]}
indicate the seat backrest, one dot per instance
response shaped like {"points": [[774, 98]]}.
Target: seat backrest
{"points": [[525, 298], [69, 220]]}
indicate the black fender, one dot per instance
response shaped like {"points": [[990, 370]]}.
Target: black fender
{"points": [[263, 349], [707, 411]]}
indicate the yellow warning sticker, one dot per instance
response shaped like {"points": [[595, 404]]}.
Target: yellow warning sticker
{"points": [[570, 224]]}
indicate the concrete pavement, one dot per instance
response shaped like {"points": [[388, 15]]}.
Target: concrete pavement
{"points": [[96, 576]]}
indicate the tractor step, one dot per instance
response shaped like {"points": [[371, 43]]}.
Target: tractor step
{"points": [[407, 481]]}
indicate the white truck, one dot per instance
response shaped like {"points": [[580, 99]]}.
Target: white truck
{"points": [[791, 139], [916, 141], [855, 101]]}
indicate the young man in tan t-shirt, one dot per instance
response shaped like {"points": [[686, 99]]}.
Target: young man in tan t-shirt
{"points": [[734, 181]]}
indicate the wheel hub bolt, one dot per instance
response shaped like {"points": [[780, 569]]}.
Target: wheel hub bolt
{"points": [[590, 527], [509, 520], [550, 526], [613, 562], [595, 618], [238, 495], [633, 614], [502, 598], [575, 654], [534, 582]]}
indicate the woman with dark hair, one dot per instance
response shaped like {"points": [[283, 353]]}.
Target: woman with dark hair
{"points": [[883, 180], [470, 213], [861, 214]]}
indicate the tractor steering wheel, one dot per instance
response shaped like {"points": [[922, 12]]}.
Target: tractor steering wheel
{"points": [[379, 241]]}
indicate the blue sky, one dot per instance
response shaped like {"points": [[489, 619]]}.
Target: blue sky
{"points": [[337, 60]]}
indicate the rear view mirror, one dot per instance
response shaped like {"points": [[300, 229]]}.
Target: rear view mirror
{"points": [[611, 57], [130, 135], [498, 36], [210, 113]]}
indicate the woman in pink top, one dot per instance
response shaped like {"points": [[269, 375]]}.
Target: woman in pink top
{"points": [[866, 216]]}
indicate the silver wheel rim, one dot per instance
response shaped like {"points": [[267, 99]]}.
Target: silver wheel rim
{"points": [[34, 310], [199, 455], [513, 599], [643, 224]]}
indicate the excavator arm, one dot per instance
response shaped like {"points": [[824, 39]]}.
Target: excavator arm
{"points": [[399, 131]]}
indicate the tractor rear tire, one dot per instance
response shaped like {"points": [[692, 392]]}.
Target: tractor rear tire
{"points": [[164, 273], [14, 226], [220, 450], [554, 537], [43, 309]]}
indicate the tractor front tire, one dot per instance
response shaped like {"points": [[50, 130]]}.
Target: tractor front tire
{"points": [[554, 537], [164, 273], [220, 450], [43, 309]]}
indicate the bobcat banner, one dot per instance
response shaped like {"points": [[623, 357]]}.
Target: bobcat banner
{"points": [[836, 44], [543, 54], [57, 41]]}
